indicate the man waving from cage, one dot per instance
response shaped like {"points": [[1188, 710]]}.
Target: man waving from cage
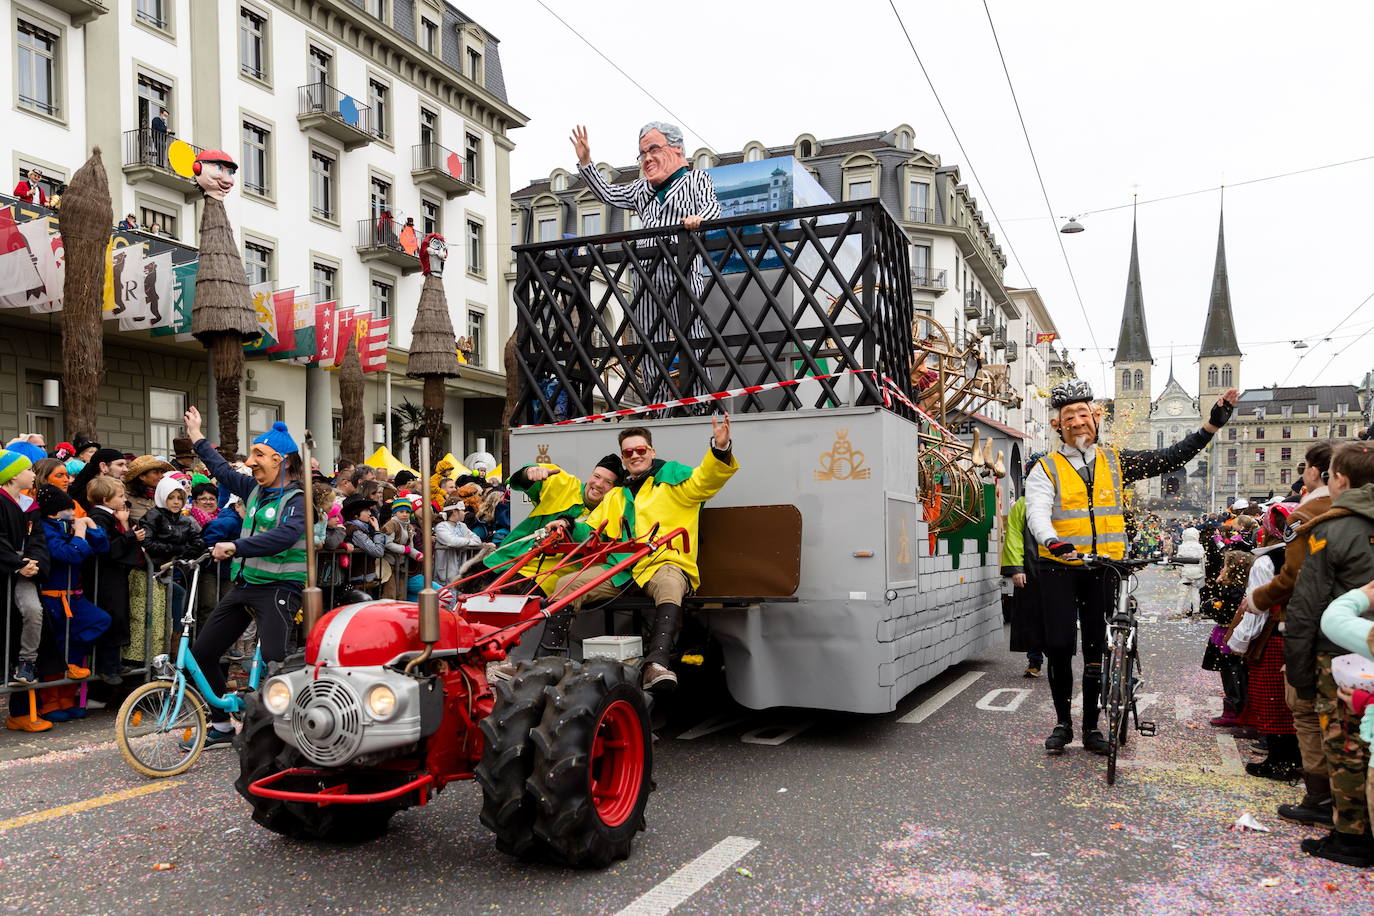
{"points": [[1074, 504], [669, 193]]}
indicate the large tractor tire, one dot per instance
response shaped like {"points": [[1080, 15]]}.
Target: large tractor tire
{"points": [[508, 756], [593, 764], [262, 753]]}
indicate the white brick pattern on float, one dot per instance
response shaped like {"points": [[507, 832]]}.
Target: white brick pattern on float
{"points": [[887, 387]]}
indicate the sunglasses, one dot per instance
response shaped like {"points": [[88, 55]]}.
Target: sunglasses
{"points": [[639, 451]]}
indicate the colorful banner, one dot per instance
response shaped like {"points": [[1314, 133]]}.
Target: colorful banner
{"points": [[1046, 338], [183, 301], [301, 341], [130, 303], [324, 333], [284, 305], [49, 259], [158, 278], [373, 335], [18, 275], [261, 296]]}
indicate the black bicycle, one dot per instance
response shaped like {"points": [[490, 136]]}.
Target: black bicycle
{"points": [[1121, 668]]}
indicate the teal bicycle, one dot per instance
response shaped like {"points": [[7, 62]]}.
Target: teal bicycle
{"points": [[161, 725]]}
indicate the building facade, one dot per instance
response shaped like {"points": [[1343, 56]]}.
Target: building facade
{"points": [[346, 117], [1259, 450], [956, 263], [1031, 374]]}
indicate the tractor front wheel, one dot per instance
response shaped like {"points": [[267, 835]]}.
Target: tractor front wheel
{"points": [[593, 764]]}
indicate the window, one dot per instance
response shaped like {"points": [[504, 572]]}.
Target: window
{"points": [[515, 230], [429, 37], [920, 264], [381, 112], [153, 96], [1259, 432], [903, 139], [1230, 478], [1286, 453], [548, 229], [1312, 432], [318, 65], [257, 263], [858, 190], [1288, 411], [152, 12], [918, 199], [1226, 376], [475, 65], [1139, 380], [591, 223], [255, 163], [1259, 475], [1342, 431], [377, 8], [252, 43], [1212, 376], [158, 220], [1287, 432], [472, 159], [1286, 475], [1159, 439], [37, 66], [429, 133], [477, 325], [1341, 409], [382, 291], [475, 248], [1311, 410], [1125, 379], [261, 416], [379, 196], [1231, 433], [323, 279], [1259, 454], [805, 149], [559, 182], [165, 410], [1232, 456], [322, 186], [429, 217]]}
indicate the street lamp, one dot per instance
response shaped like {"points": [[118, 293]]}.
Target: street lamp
{"points": [[1072, 226]]}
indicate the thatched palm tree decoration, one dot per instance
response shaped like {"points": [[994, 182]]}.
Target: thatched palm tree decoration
{"points": [[351, 400], [86, 217], [223, 318], [433, 350]]}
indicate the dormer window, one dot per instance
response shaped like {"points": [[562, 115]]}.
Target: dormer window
{"points": [[559, 182], [904, 139], [754, 152]]}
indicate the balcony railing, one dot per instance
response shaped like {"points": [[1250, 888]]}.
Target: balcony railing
{"points": [[1011, 351], [921, 214], [999, 339], [386, 239], [973, 304], [929, 278], [333, 112], [440, 168], [146, 159]]}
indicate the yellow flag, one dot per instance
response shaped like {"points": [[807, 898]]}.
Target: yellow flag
{"points": [[107, 303]]}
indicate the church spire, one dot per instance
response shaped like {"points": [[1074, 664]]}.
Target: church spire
{"points": [[1133, 345], [1219, 334]]}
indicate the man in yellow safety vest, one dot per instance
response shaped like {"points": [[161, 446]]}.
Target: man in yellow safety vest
{"points": [[1074, 505]]}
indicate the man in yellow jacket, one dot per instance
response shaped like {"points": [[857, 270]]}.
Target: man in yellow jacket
{"points": [[670, 495]]}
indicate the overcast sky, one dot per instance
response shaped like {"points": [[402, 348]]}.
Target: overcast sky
{"points": [[1159, 98]]}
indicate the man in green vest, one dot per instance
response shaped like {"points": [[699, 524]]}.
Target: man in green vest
{"points": [[268, 571]]}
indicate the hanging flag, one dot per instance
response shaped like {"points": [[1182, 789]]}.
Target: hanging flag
{"points": [[183, 300], [284, 305], [324, 333], [130, 303], [372, 343], [1051, 337], [107, 302], [45, 248], [158, 278], [17, 271], [345, 329], [301, 340], [261, 295]]}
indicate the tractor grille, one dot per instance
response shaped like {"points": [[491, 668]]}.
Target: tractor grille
{"points": [[327, 722]]}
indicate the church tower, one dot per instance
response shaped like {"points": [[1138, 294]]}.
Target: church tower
{"points": [[1131, 364], [1218, 365]]}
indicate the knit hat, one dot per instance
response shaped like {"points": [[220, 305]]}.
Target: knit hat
{"points": [[142, 465], [613, 464], [28, 450], [52, 500], [105, 455], [405, 477], [355, 504], [165, 487], [402, 502], [74, 466], [278, 439], [11, 464]]}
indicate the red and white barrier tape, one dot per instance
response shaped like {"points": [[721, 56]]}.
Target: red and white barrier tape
{"points": [[887, 387]]}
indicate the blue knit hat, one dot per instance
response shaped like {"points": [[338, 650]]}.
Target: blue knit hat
{"points": [[278, 439], [28, 450], [12, 463]]}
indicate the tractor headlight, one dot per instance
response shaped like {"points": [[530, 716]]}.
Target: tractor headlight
{"points": [[276, 696], [381, 702]]}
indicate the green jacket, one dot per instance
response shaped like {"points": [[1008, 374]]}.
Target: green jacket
{"points": [[1014, 540]]}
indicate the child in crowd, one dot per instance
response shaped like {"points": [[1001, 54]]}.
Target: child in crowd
{"points": [[171, 536], [401, 553], [454, 543], [110, 511], [493, 516], [362, 536], [1227, 594], [23, 563], [77, 622], [1190, 576]]}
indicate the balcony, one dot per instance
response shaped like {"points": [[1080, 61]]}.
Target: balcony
{"points": [[1011, 351], [440, 169], [985, 323], [386, 241], [973, 304], [999, 339], [929, 278], [334, 114], [81, 11], [921, 215], [145, 160]]}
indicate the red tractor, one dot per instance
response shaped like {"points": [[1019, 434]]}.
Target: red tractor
{"points": [[392, 702]]}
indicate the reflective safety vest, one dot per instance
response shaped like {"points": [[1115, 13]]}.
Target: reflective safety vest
{"points": [[262, 514], [1093, 521]]}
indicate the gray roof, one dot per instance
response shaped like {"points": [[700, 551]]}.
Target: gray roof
{"points": [[1273, 400], [1219, 334], [1133, 345]]}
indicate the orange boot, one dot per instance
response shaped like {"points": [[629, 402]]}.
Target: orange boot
{"points": [[77, 673], [27, 724]]}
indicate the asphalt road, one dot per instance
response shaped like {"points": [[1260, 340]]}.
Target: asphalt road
{"points": [[777, 812]]}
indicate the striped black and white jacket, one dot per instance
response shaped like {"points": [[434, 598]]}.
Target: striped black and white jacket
{"points": [[693, 195]]}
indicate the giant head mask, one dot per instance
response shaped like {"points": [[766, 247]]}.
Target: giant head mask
{"points": [[1073, 413], [660, 151], [215, 172], [433, 254]]}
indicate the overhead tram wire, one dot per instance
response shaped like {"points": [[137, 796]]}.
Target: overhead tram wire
{"points": [[1328, 337], [622, 72], [1041, 178]]}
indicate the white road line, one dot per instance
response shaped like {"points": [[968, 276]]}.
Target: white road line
{"points": [[690, 878], [1231, 762], [924, 711]]}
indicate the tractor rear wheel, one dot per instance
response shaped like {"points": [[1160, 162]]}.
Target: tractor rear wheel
{"points": [[508, 757], [262, 753], [593, 764]]}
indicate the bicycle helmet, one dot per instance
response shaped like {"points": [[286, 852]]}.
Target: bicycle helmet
{"points": [[1070, 391]]}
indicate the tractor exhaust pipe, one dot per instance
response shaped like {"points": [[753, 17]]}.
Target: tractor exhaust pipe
{"points": [[429, 597], [312, 600]]}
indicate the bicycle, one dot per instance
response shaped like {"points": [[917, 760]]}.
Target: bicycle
{"points": [[1120, 675], [161, 726]]}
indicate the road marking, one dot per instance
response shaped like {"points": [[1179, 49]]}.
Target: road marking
{"points": [[1231, 762], [99, 801], [926, 709], [774, 735], [690, 878], [711, 725], [1003, 699]]}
